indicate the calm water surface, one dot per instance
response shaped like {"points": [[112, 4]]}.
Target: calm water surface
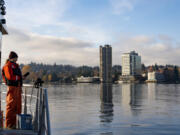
{"points": [[122, 109]]}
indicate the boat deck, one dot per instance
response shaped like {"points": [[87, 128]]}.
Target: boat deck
{"points": [[40, 120], [17, 132]]}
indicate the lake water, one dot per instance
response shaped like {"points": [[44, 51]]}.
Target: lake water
{"points": [[120, 109]]}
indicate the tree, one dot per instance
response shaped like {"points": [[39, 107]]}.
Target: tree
{"points": [[50, 77], [26, 68], [45, 78], [54, 77], [156, 68], [33, 76], [176, 74], [143, 67]]}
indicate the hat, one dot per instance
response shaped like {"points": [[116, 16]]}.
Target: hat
{"points": [[13, 55]]}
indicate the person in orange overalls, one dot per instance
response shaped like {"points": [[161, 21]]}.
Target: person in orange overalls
{"points": [[12, 76]]}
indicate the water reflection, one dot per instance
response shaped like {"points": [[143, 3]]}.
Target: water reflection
{"points": [[132, 98], [128, 109], [151, 92], [106, 102]]}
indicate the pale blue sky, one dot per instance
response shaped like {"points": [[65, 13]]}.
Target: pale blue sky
{"points": [[141, 25]]}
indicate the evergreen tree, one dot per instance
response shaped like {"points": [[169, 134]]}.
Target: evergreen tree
{"points": [[176, 74]]}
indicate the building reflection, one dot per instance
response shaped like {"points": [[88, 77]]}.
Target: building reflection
{"points": [[151, 92], [106, 97], [132, 97]]}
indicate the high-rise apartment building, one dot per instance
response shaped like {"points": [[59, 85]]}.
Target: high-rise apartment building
{"points": [[106, 64], [131, 64]]}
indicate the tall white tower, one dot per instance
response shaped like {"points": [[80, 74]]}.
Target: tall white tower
{"points": [[131, 64]]}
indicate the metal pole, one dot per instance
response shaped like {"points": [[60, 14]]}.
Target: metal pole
{"points": [[43, 127], [36, 122], [47, 113], [25, 102], [40, 110], [1, 113]]}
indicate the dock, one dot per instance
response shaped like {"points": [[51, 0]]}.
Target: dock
{"points": [[17, 132], [38, 109]]}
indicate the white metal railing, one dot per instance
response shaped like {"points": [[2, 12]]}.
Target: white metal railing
{"points": [[38, 107], [41, 118]]}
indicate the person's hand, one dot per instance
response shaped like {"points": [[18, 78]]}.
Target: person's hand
{"points": [[23, 77]]}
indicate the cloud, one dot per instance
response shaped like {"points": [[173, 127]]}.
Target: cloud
{"points": [[30, 23], [152, 49], [34, 13], [45, 17], [63, 50], [48, 49], [88, 33], [122, 6]]}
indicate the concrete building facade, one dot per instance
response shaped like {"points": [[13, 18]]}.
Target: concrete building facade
{"points": [[155, 77], [131, 64], [106, 64]]}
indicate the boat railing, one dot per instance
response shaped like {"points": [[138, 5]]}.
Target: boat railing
{"points": [[35, 102]]}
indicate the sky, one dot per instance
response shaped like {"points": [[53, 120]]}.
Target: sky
{"points": [[71, 31]]}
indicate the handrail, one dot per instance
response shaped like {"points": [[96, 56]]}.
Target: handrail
{"points": [[41, 121], [41, 116], [47, 112]]}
